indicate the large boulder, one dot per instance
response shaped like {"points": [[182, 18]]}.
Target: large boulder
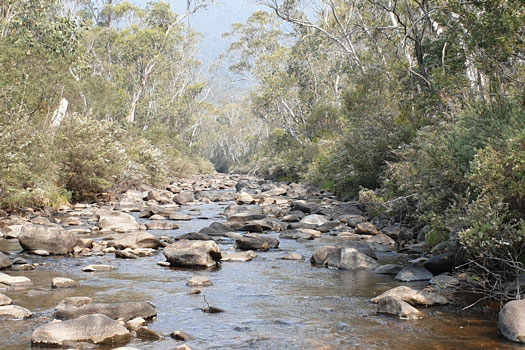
{"points": [[343, 258], [97, 329], [511, 321], [5, 262], [116, 221], [186, 253], [133, 240], [314, 220], [252, 241], [51, 238], [183, 197], [74, 307], [162, 197], [413, 296]]}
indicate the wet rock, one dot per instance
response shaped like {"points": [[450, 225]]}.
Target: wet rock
{"points": [[199, 281], [15, 281], [181, 336], [70, 308], [293, 217], [301, 233], [244, 198], [162, 197], [293, 256], [180, 217], [413, 296], [135, 323], [305, 207], [215, 228], [195, 236], [188, 253], [41, 252], [5, 262], [116, 221], [253, 241], [163, 263], [388, 269], [413, 273], [133, 240], [440, 264], [239, 256], [125, 254], [15, 311], [257, 226], [157, 217], [98, 268], [444, 281], [511, 321], [5, 300], [183, 347], [97, 329], [366, 228], [342, 258], [145, 333], [62, 282], [195, 291], [162, 225], [183, 197], [52, 238], [314, 220], [397, 307], [352, 259]]}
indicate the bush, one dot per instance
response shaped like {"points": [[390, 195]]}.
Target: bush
{"points": [[494, 237]]}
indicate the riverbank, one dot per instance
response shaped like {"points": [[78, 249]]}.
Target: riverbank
{"points": [[289, 266]]}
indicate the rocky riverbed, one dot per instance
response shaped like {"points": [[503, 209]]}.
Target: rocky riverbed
{"points": [[226, 262]]}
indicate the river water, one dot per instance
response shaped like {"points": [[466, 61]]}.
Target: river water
{"points": [[269, 303]]}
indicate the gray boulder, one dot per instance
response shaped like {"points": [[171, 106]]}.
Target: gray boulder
{"points": [[413, 296], [51, 238], [183, 197], [414, 273], [116, 221], [188, 253], [343, 258], [511, 321], [252, 241], [133, 240], [97, 329]]}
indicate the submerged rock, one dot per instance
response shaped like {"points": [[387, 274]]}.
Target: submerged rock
{"points": [[397, 307], [97, 329], [413, 296], [70, 308], [252, 241], [188, 253], [61, 282], [199, 281]]}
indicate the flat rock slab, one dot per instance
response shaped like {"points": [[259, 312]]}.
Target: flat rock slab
{"points": [[71, 308], [293, 256], [62, 282], [199, 281], [15, 311], [239, 256], [98, 268], [97, 329], [388, 269], [15, 281], [414, 273], [413, 296]]}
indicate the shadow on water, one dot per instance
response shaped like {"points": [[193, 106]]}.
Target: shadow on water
{"points": [[269, 303]]}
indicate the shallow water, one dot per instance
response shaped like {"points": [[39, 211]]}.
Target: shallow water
{"points": [[269, 303]]}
